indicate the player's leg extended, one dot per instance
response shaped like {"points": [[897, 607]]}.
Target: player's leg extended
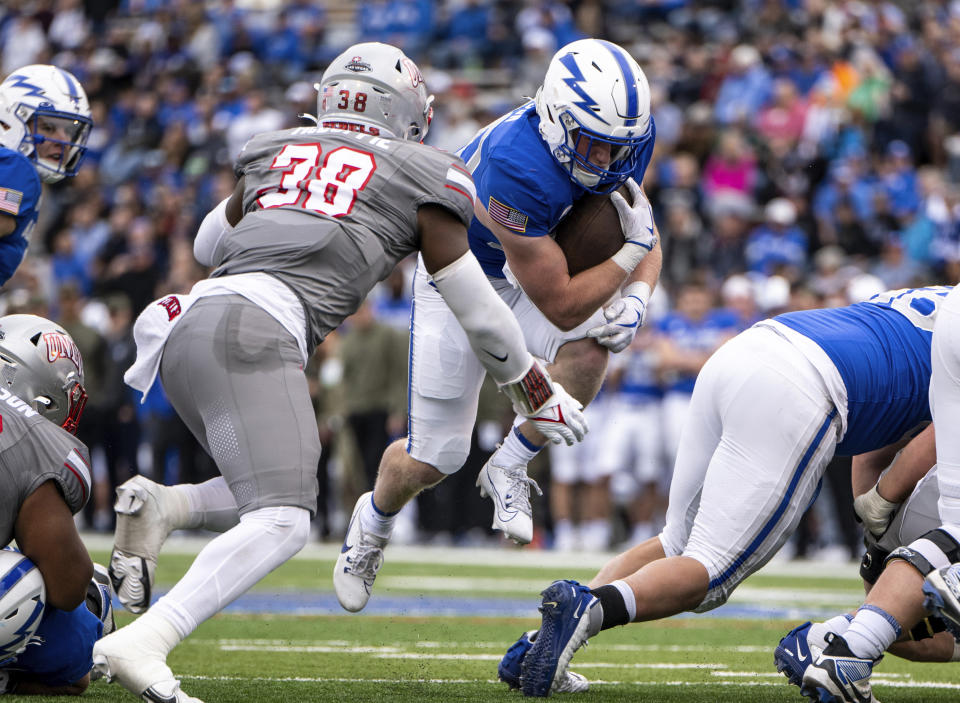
{"points": [[576, 362], [240, 369], [445, 379]]}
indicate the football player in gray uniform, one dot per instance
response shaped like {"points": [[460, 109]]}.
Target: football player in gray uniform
{"points": [[319, 216], [46, 478]]}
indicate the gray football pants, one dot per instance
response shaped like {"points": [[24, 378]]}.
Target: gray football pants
{"points": [[235, 377]]}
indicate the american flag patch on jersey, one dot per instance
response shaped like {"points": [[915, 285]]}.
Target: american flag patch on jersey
{"points": [[10, 200], [507, 216]]}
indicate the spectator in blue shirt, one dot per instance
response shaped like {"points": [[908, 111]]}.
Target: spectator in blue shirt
{"points": [[778, 242]]}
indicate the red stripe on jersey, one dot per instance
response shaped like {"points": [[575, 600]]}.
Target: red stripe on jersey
{"points": [[461, 169], [80, 479], [464, 194]]}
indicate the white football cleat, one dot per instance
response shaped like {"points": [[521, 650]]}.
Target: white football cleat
{"points": [[123, 658], [509, 488], [147, 513], [361, 557]]}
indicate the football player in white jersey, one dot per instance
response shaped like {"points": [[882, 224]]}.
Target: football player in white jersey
{"points": [[319, 216], [769, 410]]}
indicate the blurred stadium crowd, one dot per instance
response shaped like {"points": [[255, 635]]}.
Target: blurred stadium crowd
{"points": [[808, 154]]}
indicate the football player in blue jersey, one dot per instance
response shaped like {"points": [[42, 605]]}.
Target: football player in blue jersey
{"points": [[44, 126], [46, 482], [588, 130], [769, 410]]}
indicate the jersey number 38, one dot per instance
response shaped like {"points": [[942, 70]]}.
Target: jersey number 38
{"points": [[329, 188]]}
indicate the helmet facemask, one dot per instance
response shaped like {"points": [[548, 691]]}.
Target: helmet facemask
{"points": [[43, 127]]}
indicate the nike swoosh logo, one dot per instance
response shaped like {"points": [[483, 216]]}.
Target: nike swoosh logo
{"points": [[551, 602], [501, 359], [345, 548], [151, 694]]}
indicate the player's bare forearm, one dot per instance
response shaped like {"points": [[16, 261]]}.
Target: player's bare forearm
{"points": [[913, 463], [540, 268]]}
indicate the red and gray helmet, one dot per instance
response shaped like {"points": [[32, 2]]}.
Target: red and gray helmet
{"points": [[41, 365], [378, 88]]}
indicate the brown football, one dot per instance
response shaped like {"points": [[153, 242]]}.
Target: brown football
{"points": [[590, 233]]}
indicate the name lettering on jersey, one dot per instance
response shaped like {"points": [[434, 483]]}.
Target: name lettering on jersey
{"points": [[60, 346], [172, 305], [17, 404], [352, 127]]}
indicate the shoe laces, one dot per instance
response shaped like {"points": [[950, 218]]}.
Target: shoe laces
{"points": [[366, 561], [518, 489]]}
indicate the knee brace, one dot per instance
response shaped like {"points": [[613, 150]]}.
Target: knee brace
{"points": [[935, 550], [872, 563]]}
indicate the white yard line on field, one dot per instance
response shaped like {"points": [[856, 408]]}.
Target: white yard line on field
{"points": [[883, 681]]}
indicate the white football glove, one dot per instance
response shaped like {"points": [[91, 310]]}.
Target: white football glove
{"points": [[636, 221], [624, 317], [554, 412], [874, 511]]}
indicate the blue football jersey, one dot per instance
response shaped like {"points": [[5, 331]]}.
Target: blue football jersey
{"points": [[61, 650], [881, 349], [520, 183], [19, 198]]}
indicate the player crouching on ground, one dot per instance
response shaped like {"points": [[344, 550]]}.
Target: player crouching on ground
{"points": [[50, 614]]}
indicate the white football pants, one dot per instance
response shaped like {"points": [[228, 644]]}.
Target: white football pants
{"points": [[758, 436]]}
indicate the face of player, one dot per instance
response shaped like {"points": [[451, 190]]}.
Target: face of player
{"points": [[596, 152], [57, 132]]}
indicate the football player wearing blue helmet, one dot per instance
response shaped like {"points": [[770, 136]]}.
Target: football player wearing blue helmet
{"points": [[44, 126], [589, 129]]}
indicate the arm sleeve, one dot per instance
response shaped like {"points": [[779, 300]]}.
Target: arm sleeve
{"points": [[211, 230], [491, 328]]}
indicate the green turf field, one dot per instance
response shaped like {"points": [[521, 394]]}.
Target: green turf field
{"points": [[353, 658]]}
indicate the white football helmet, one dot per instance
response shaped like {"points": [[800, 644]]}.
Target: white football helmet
{"points": [[375, 88], [41, 365], [42, 104], [595, 93], [23, 597]]}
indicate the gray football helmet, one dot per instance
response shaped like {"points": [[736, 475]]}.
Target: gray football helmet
{"points": [[41, 365], [373, 87]]}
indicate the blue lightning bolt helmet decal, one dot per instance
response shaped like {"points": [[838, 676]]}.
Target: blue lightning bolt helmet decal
{"points": [[576, 78], [21, 81]]}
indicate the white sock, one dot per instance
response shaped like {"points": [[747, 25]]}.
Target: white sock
{"points": [[211, 505], [871, 632], [233, 562], [375, 521], [837, 624], [629, 598], [516, 450], [154, 633]]}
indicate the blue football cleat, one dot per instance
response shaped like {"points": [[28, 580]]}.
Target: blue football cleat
{"points": [[510, 666], [941, 590], [793, 655], [569, 615], [839, 676]]}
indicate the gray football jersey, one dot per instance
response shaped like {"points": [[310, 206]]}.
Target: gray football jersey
{"points": [[330, 212], [34, 450]]}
